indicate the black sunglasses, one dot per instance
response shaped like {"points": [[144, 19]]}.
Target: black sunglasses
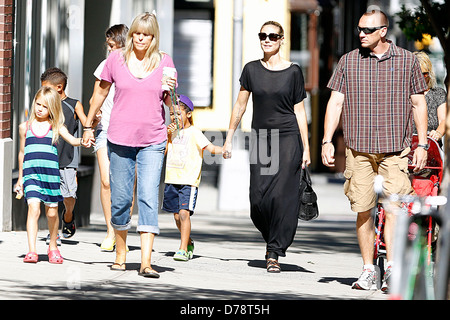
{"points": [[272, 36], [368, 30]]}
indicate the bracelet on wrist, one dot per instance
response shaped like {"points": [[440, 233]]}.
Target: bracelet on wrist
{"points": [[424, 146], [88, 129], [327, 141]]}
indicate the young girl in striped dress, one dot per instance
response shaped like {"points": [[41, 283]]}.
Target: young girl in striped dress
{"points": [[39, 178]]}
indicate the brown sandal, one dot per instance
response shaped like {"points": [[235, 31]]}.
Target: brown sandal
{"points": [[148, 272], [118, 266], [273, 266]]}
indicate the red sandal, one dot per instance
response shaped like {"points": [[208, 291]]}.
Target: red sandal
{"points": [[31, 257], [54, 256]]}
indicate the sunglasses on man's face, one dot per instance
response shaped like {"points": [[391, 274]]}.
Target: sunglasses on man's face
{"points": [[272, 36], [368, 30]]}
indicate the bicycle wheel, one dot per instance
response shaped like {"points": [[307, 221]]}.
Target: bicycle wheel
{"points": [[379, 247], [420, 284], [411, 278], [442, 274]]}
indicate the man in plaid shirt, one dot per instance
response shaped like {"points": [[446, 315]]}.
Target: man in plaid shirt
{"points": [[378, 89]]}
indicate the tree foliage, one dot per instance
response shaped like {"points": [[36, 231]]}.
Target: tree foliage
{"points": [[430, 18], [419, 21]]}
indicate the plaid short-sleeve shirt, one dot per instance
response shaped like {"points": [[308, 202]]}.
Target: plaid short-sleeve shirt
{"points": [[377, 113]]}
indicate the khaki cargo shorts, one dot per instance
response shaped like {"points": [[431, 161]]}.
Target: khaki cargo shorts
{"points": [[361, 169]]}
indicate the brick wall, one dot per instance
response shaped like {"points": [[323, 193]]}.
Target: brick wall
{"points": [[6, 60]]}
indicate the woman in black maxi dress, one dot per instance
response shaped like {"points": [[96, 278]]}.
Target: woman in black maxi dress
{"points": [[279, 146]]}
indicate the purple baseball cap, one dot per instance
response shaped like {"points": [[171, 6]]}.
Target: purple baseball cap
{"points": [[186, 101]]}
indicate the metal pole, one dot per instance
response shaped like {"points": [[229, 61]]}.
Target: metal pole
{"points": [[237, 45], [237, 61]]}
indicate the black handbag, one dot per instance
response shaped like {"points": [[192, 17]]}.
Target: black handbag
{"points": [[309, 209]]}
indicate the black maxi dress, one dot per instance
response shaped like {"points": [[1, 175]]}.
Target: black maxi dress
{"points": [[276, 152]]}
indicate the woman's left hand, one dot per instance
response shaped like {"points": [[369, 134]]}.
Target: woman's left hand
{"points": [[226, 150], [306, 159]]}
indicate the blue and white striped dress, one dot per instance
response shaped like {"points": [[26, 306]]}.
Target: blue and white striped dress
{"points": [[41, 177]]}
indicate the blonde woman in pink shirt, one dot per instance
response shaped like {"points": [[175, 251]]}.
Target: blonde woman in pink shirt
{"points": [[136, 134]]}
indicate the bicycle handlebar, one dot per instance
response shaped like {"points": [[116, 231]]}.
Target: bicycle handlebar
{"points": [[417, 201]]}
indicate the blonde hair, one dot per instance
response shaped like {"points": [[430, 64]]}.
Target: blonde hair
{"points": [[426, 66], [146, 23], [55, 114], [275, 24]]}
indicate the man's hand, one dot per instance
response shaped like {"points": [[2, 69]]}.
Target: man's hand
{"points": [[419, 159], [328, 154]]}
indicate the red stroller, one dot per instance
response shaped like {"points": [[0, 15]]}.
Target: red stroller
{"points": [[425, 183]]}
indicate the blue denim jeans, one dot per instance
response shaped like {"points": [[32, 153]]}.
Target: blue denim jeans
{"points": [[125, 162]]}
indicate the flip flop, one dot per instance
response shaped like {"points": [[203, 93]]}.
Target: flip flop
{"points": [[108, 244], [119, 267], [54, 256], [149, 274], [31, 257]]}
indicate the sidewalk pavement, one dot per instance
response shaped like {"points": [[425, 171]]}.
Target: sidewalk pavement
{"points": [[228, 261]]}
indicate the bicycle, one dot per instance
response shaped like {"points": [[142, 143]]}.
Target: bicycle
{"points": [[412, 277], [379, 254], [442, 267], [425, 183]]}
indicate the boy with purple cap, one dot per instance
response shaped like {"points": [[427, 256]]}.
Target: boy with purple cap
{"points": [[185, 145]]}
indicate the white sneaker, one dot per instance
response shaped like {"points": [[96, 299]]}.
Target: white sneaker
{"points": [[387, 274], [368, 280], [58, 240]]}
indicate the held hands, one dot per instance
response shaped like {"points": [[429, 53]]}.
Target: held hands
{"points": [[226, 150], [88, 139], [87, 144]]}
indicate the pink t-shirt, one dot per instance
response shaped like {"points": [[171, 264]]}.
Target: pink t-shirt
{"points": [[138, 116]]}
